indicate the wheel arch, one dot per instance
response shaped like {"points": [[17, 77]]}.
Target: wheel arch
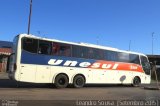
{"points": [[77, 75], [137, 77], [135, 84], [53, 80]]}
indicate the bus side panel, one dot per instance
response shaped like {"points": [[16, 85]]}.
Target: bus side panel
{"points": [[43, 74], [27, 72], [70, 72], [112, 77], [98, 76]]}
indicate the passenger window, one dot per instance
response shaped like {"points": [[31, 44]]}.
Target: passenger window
{"points": [[98, 54], [61, 49], [134, 58], [110, 55], [123, 57], [80, 52], [30, 45], [91, 53], [44, 47]]}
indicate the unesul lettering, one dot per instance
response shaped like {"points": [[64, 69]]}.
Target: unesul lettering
{"points": [[68, 63]]}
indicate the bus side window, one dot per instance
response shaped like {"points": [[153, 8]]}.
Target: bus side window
{"points": [[101, 54], [94, 54], [76, 51], [61, 49], [91, 53], [81, 52], [64, 51], [30, 45], [133, 58], [110, 55], [123, 57], [55, 49], [44, 47]]}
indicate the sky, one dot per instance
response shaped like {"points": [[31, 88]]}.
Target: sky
{"points": [[113, 23]]}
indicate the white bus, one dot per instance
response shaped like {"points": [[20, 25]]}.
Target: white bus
{"points": [[41, 60]]}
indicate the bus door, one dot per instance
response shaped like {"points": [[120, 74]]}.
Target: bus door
{"points": [[146, 67]]}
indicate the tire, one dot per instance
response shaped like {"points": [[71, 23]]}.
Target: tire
{"points": [[136, 82], [78, 81], [61, 81]]}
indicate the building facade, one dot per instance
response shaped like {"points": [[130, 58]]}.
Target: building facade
{"points": [[5, 51], [155, 61]]}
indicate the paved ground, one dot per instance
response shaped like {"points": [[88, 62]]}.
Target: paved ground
{"points": [[10, 91]]}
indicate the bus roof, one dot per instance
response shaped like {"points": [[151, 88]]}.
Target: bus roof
{"points": [[80, 44]]}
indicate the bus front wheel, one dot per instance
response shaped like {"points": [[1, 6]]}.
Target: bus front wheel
{"points": [[61, 81], [78, 81], [136, 82]]}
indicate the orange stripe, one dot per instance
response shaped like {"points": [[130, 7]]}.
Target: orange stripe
{"points": [[120, 66]]}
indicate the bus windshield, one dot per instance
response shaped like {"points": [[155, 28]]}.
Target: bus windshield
{"points": [[145, 64]]}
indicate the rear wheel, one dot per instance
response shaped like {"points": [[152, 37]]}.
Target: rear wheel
{"points": [[136, 82], [61, 81], [78, 81]]}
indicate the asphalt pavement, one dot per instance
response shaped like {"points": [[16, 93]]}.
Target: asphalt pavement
{"points": [[31, 94]]}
